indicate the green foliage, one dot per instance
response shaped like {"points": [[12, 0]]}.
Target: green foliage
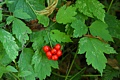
{"points": [[0, 15], [99, 29], [82, 25], [95, 50], [42, 65], [66, 14], [113, 25], [91, 8], [109, 73], [9, 44], [22, 5], [43, 20], [20, 14], [20, 30], [25, 66], [58, 36], [79, 28]]}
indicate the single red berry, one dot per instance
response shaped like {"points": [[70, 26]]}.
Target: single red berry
{"points": [[53, 51], [49, 55], [46, 48], [54, 57], [59, 53], [57, 46]]}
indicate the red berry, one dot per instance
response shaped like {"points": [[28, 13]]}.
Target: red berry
{"points": [[46, 48], [59, 53], [57, 46], [53, 51], [49, 55], [55, 57]]}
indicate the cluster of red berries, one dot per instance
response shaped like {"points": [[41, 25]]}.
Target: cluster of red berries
{"points": [[54, 53]]}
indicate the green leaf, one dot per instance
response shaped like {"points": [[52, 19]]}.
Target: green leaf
{"points": [[66, 14], [79, 28], [0, 15], [2, 70], [20, 14], [11, 69], [37, 39], [56, 35], [95, 50], [99, 29], [21, 5], [42, 65], [91, 8], [24, 73], [109, 73], [4, 58], [20, 30], [24, 64], [113, 25], [37, 4], [10, 19], [9, 44], [43, 20]]}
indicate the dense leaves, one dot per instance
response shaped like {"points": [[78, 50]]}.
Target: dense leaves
{"points": [[66, 14], [56, 35], [42, 65], [95, 50], [91, 8], [80, 26], [113, 25], [99, 29]]}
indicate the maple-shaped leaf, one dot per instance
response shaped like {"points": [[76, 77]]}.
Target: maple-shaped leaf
{"points": [[95, 50], [113, 25], [79, 28], [56, 35], [21, 31], [91, 8], [66, 14], [42, 65], [24, 64], [9, 44], [99, 29]]}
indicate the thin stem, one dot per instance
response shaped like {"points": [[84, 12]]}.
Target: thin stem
{"points": [[110, 6], [15, 76], [90, 75], [78, 73], [59, 75], [49, 38], [70, 67]]}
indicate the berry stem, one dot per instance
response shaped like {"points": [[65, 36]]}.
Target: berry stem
{"points": [[48, 35]]}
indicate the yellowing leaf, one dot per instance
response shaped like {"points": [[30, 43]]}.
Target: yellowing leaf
{"points": [[99, 29], [66, 14], [95, 50]]}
